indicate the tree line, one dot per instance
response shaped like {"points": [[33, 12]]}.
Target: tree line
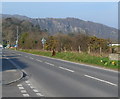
{"points": [[64, 42], [30, 37]]}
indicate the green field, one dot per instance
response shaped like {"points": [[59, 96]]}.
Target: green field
{"points": [[80, 58]]}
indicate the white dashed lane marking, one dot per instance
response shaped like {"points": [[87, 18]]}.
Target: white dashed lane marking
{"points": [[39, 94], [21, 88], [29, 84], [23, 91], [34, 89], [39, 60], [27, 81], [26, 95], [19, 85], [66, 69], [100, 80], [49, 64], [31, 58]]}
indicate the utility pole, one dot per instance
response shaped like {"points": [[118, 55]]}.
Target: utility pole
{"points": [[17, 38], [43, 42]]}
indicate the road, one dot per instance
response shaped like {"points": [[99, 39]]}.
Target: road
{"points": [[48, 77]]}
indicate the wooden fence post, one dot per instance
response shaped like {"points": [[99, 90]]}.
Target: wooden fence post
{"points": [[79, 49]]}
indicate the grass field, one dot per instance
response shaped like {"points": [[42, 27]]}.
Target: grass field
{"points": [[80, 58]]}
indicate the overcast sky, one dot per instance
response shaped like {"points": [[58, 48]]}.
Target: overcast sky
{"points": [[100, 12]]}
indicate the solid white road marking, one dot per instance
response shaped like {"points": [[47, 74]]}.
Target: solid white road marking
{"points": [[66, 69], [26, 95], [39, 94], [21, 87], [49, 64], [35, 90], [39, 60], [23, 91], [101, 80]]}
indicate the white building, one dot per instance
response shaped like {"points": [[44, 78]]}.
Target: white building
{"points": [[114, 44], [1, 46]]}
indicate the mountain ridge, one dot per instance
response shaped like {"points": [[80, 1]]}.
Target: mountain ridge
{"points": [[70, 25]]}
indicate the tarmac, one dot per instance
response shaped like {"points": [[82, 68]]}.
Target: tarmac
{"points": [[11, 76], [10, 73]]}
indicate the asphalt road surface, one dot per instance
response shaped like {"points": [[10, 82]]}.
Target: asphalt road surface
{"points": [[47, 77]]}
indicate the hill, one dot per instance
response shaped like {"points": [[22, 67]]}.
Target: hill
{"points": [[68, 25]]}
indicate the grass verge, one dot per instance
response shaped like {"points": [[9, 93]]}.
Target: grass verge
{"points": [[79, 58]]}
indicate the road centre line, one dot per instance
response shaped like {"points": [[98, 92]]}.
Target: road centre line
{"points": [[75, 63], [49, 64], [39, 60], [100, 80], [100, 68], [66, 69], [31, 58]]}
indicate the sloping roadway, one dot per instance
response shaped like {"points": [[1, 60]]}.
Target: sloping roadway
{"points": [[58, 78]]}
